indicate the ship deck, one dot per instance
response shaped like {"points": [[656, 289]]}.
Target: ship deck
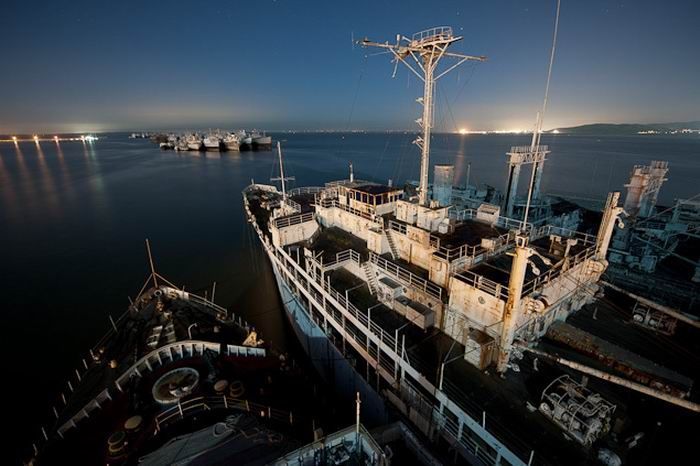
{"points": [[510, 403], [497, 268], [125, 347], [503, 400], [273, 386], [470, 233]]}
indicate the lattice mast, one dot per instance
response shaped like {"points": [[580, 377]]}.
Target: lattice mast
{"points": [[426, 49]]}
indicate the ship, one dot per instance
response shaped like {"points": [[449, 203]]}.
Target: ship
{"points": [[481, 320], [246, 140], [179, 379], [213, 141], [261, 141], [194, 142], [231, 142]]}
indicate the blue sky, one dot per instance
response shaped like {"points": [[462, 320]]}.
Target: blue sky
{"points": [[106, 65]]}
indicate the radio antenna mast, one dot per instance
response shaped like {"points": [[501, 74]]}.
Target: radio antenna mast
{"points": [[282, 178], [421, 54], [535, 146]]}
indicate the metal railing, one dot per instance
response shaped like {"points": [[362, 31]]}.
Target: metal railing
{"points": [[349, 255], [294, 220], [440, 32], [328, 203], [482, 283], [528, 149], [547, 230], [397, 226], [554, 272], [305, 190], [462, 214], [406, 277], [293, 204], [198, 404]]}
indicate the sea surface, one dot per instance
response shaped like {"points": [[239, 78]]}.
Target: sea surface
{"points": [[74, 217]]}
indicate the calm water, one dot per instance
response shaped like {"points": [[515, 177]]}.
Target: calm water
{"points": [[74, 218]]}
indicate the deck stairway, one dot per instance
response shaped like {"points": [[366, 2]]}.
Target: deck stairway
{"points": [[392, 246], [371, 277]]}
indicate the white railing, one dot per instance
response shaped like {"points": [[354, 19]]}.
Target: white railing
{"points": [[528, 149], [293, 204], [554, 272], [308, 454], [547, 230], [405, 276], [328, 203], [482, 283], [462, 214], [441, 32], [305, 190], [349, 255], [294, 220]]}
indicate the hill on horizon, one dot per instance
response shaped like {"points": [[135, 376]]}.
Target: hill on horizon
{"points": [[628, 128]]}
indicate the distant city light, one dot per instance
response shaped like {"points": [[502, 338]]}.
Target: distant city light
{"points": [[556, 131], [463, 131], [14, 138]]}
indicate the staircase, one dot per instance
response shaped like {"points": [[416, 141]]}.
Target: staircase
{"points": [[371, 277], [393, 250]]}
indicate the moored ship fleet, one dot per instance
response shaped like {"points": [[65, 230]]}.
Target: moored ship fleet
{"points": [[233, 141]]}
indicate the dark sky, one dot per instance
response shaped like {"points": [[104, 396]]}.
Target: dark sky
{"points": [[111, 65]]}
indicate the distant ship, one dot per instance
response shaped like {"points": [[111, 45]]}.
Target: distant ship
{"points": [[213, 141], [261, 140], [194, 142], [231, 142]]}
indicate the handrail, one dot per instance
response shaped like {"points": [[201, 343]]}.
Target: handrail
{"points": [[202, 403], [442, 31], [547, 230], [406, 276], [554, 272], [341, 258], [294, 220], [293, 204], [329, 203], [528, 149], [482, 283], [305, 190]]}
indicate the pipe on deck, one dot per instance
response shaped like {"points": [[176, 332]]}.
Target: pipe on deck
{"points": [[659, 307], [615, 379]]}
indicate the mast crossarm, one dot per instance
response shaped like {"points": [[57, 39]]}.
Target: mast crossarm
{"points": [[419, 50], [408, 65]]}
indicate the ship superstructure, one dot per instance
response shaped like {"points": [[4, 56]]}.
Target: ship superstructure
{"points": [[453, 316]]}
